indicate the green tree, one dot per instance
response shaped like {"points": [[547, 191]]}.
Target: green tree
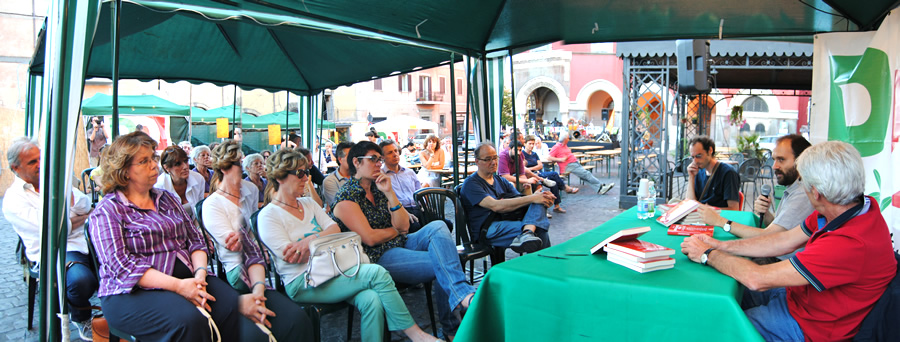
{"points": [[506, 118]]}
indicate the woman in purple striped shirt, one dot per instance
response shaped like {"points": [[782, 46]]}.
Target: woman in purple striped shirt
{"points": [[153, 276]]}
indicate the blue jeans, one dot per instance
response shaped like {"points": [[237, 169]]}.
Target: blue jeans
{"points": [[81, 283], [768, 312], [502, 233], [560, 185], [430, 254]]}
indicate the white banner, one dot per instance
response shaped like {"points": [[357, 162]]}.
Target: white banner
{"points": [[856, 78]]}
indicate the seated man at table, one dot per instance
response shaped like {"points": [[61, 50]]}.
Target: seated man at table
{"points": [[23, 207], [823, 292], [486, 197], [794, 207], [334, 180], [563, 156], [403, 180], [718, 184]]}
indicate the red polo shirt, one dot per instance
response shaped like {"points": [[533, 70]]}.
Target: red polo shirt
{"points": [[848, 269]]}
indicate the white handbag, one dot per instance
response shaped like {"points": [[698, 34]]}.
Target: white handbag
{"points": [[333, 255]]}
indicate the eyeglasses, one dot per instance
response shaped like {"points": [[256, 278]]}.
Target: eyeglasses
{"points": [[146, 161], [375, 159], [300, 173], [489, 159]]}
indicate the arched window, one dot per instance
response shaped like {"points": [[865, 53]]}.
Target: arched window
{"points": [[745, 128], [760, 128], [755, 104]]}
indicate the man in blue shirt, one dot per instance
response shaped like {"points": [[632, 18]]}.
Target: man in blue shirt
{"points": [[712, 182], [485, 196], [404, 182]]}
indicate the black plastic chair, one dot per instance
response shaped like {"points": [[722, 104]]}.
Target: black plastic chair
{"points": [[30, 275], [748, 170], [498, 254], [114, 334], [432, 201], [213, 255], [88, 186]]}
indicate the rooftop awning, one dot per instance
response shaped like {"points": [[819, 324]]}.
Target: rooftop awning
{"points": [[101, 104]]}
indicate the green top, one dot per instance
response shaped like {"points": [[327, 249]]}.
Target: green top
{"points": [[565, 294], [378, 215]]}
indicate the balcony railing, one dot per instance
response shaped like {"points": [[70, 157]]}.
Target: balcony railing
{"points": [[429, 96]]}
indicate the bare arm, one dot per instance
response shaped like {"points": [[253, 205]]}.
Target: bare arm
{"points": [[692, 173], [711, 217], [766, 245], [353, 217], [733, 205], [509, 204], [753, 276]]}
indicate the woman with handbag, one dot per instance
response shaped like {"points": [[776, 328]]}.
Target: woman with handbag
{"points": [[289, 224], [368, 206], [432, 158], [226, 217], [153, 276]]}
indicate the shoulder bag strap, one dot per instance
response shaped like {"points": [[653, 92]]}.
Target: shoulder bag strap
{"points": [[708, 182]]}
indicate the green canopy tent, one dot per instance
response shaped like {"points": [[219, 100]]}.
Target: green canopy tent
{"points": [[149, 105]]}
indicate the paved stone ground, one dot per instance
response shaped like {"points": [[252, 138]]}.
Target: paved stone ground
{"points": [[586, 210]]}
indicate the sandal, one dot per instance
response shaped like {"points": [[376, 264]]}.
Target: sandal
{"points": [[559, 210], [574, 190]]}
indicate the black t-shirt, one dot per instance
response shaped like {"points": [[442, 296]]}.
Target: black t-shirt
{"points": [[726, 183], [531, 159]]}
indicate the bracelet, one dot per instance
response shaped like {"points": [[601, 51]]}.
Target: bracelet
{"points": [[396, 208], [201, 268], [258, 283]]}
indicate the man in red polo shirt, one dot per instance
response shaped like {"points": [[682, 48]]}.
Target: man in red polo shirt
{"points": [[825, 291]]}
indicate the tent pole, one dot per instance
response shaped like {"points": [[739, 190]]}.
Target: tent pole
{"points": [[116, 7], [515, 130], [467, 118], [486, 103], [287, 119], [454, 134], [319, 128]]}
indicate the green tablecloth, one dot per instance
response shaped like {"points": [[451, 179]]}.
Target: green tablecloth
{"points": [[584, 297]]}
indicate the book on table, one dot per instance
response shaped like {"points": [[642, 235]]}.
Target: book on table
{"points": [[622, 235], [688, 230], [640, 248], [642, 267], [634, 258], [678, 212]]}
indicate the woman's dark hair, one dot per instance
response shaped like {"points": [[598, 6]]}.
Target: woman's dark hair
{"points": [[172, 155], [360, 149]]}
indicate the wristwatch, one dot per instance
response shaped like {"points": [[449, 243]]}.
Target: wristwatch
{"points": [[705, 257], [727, 226]]}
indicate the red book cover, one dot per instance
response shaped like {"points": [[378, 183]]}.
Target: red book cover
{"points": [[622, 235], [688, 230], [677, 212], [640, 248], [631, 258]]}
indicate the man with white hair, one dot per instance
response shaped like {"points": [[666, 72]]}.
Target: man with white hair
{"points": [[823, 292], [23, 208], [563, 156]]}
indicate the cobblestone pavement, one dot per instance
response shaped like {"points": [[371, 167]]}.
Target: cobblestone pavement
{"points": [[586, 210]]}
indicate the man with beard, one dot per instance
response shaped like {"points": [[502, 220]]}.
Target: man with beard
{"points": [[794, 207]]}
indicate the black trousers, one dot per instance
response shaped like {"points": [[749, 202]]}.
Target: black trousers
{"points": [[160, 315]]}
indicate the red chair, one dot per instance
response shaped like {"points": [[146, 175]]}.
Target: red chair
{"points": [[741, 200]]}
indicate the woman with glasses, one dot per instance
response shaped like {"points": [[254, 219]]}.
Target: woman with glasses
{"points": [[367, 205], [188, 185], [290, 222], [153, 275], [200, 155], [432, 158], [226, 217], [255, 165]]}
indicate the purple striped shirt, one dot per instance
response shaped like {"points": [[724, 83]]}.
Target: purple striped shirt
{"points": [[130, 240]]}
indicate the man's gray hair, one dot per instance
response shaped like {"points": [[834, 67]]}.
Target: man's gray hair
{"points": [[16, 148], [481, 146], [197, 150], [835, 169], [250, 159], [562, 137]]}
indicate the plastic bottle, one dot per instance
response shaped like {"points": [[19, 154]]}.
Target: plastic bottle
{"points": [[651, 200], [642, 195]]}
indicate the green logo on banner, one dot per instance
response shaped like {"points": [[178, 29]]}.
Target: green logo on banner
{"points": [[871, 72]]}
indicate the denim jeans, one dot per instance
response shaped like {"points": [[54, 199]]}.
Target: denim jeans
{"points": [[768, 312], [430, 254], [576, 169], [502, 233], [81, 283]]}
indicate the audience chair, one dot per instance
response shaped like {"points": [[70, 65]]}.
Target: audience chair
{"points": [[767, 176], [498, 254], [114, 334], [212, 255], [433, 203], [748, 171], [88, 185], [30, 275]]}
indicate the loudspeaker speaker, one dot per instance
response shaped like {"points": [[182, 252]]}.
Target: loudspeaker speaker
{"points": [[604, 114], [693, 55], [532, 114]]}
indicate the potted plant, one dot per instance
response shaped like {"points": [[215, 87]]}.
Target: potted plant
{"points": [[737, 115], [748, 145]]}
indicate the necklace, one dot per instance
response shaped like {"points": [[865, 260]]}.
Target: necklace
{"points": [[292, 206], [228, 193]]}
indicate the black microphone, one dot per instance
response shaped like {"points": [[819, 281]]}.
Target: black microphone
{"points": [[765, 190]]}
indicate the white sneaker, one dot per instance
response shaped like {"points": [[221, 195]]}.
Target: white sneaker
{"points": [[605, 188], [85, 332], [549, 183]]}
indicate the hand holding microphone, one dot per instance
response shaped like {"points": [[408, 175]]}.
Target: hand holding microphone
{"points": [[762, 203]]}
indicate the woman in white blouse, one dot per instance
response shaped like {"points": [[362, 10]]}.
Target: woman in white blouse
{"points": [[178, 179], [288, 224], [226, 217]]}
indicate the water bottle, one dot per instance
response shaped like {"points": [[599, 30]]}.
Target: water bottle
{"points": [[643, 210], [651, 200]]}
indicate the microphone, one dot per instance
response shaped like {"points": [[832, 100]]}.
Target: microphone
{"points": [[765, 190]]}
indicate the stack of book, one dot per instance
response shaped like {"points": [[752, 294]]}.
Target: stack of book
{"points": [[625, 249], [688, 230], [684, 212]]}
